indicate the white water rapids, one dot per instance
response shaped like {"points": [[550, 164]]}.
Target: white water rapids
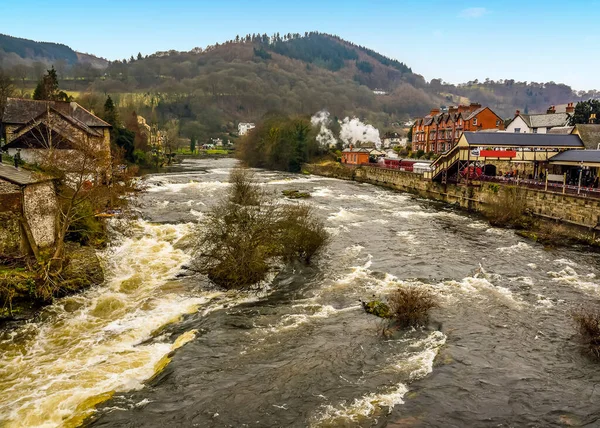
{"points": [[90, 345]]}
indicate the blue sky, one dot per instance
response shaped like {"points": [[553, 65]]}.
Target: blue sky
{"points": [[530, 40]]}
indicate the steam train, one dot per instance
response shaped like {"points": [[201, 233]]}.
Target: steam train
{"points": [[405, 164]]}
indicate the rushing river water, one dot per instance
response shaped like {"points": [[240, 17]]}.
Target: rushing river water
{"points": [[155, 346]]}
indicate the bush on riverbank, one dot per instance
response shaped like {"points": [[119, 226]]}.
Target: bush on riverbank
{"points": [[588, 323], [245, 234], [26, 285]]}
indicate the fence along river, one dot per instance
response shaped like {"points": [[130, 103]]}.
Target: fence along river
{"points": [[155, 346]]}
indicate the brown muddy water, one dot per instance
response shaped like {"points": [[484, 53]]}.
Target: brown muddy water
{"points": [[157, 347]]}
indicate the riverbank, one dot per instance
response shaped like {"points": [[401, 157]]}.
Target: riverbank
{"points": [[545, 217], [24, 290]]}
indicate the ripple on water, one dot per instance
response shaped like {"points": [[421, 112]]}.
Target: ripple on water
{"points": [[413, 364]]}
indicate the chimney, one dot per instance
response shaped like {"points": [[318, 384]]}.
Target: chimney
{"points": [[462, 109], [474, 106], [517, 113], [551, 110], [592, 119], [434, 111], [452, 109], [570, 108]]}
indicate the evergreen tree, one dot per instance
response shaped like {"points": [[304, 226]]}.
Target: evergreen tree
{"points": [[192, 144], [47, 88], [110, 113], [139, 56], [583, 111]]}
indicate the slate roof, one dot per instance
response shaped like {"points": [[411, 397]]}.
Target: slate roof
{"points": [[590, 135], [561, 130], [19, 111], [20, 176], [586, 156], [357, 150], [546, 120], [509, 139]]}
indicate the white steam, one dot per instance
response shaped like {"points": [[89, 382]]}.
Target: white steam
{"points": [[325, 137], [354, 131]]}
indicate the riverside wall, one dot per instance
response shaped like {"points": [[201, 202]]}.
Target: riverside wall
{"points": [[567, 209]]}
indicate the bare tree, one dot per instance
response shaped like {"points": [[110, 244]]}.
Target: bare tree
{"points": [[7, 90], [89, 179]]}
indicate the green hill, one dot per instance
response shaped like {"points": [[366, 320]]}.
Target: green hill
{"points": [[210, 90]]}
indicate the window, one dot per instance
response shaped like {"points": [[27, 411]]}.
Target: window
{"points": [[475, 121], [497, 123], [535, 130], [517, 130]]}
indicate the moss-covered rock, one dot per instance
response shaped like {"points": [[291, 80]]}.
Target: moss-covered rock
{"points": [[295, 194], [377, 308]]}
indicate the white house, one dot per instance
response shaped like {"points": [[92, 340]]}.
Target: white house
{"points": [[539, 123], [392, 139], [244, 127]]}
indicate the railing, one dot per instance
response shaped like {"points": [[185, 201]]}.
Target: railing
{"points": [[553, 187]]}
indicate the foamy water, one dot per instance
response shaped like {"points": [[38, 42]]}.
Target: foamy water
{"points": [[412, 365], [93, 344]]}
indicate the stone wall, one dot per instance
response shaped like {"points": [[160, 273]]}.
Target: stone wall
{"points": [[568, 209], [40, 209], [10, 233]]}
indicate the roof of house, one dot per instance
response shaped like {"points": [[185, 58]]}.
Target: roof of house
{"points": [[548, 120], [20, 111], [590, 135], [357, 150], [20, 176], [474, 113], [561, 130], [509, 139], [585, 156]]}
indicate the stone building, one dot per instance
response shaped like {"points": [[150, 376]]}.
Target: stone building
{"points": [[28, 211], [33, 126]]}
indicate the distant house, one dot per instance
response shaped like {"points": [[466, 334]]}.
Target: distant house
{"points": [[355, 156], [34, 126], [439, 131], [393, 139], [28, 211], [540, 123], [244, 127]]}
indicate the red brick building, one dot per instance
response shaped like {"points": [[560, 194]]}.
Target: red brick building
{"points": [[438, 132], [354, 156]]}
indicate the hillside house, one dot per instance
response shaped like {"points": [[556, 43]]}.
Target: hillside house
{"points": [[34, 126], [244, 127], [28, 211], [540, 123], [393, 139], [439, 131]]}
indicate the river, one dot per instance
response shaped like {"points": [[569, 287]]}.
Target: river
{"points": [[156, 346]]}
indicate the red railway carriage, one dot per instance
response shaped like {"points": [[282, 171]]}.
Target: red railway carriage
{"points": [[401, 164]]}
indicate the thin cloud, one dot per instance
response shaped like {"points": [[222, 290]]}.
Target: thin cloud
{"points": [[473, 12]]}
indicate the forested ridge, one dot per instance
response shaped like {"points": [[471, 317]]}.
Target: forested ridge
{"points": [[209, 90]]}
